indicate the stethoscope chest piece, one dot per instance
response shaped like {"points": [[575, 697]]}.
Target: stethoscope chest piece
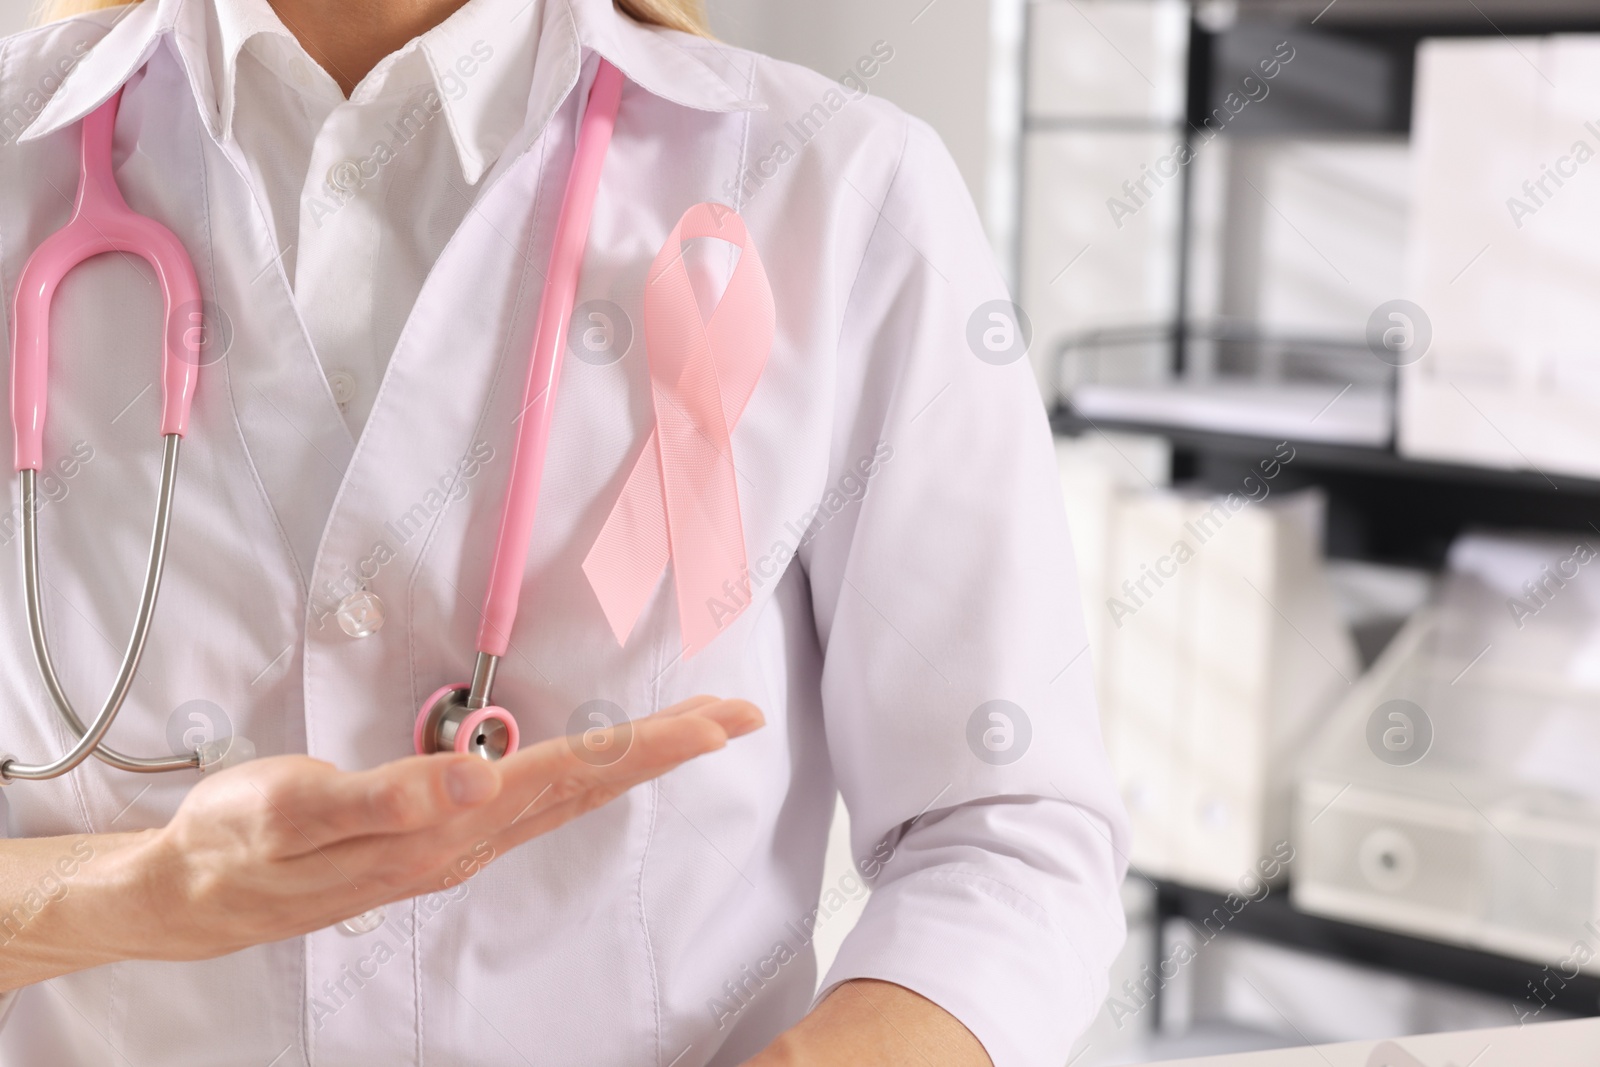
{"points": [[448, 722]]}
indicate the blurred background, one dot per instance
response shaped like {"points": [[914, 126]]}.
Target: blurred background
{"points": [[1311, 290], [1312, 296]]}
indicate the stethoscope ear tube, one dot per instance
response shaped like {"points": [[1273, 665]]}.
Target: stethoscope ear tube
{"points": [[101, 222], [90, 738]]}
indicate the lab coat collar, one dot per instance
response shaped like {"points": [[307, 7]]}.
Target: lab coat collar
{"points": [[687, 70], [676, 67], [133, 36], [236, 24]]}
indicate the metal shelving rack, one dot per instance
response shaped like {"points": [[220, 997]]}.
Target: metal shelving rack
{"points": [[1275, 920], [1383, 507]]}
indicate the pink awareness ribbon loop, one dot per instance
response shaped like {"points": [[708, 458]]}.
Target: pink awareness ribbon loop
{"points": [[681, 500]]}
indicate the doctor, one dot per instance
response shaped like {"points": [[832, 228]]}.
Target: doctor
{"points": [[368, 191]]}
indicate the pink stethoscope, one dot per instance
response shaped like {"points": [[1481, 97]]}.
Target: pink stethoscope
{"points": [[459, 718]]}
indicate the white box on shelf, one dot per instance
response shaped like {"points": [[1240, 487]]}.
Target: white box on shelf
{"points": [[1143, 701], [1097, 471], [1506, 200], [1222, 645], [1487, 832], [1239, 576]]}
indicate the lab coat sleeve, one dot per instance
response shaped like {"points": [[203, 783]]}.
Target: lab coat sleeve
{"points": [[989, 832]]}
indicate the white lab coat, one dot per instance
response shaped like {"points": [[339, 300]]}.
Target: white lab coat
{"points": [[669, 927]]}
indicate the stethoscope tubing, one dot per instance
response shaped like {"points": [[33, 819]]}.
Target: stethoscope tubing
{"points": [[103, 222], [544, 369], [90, 739], [465, 718]]}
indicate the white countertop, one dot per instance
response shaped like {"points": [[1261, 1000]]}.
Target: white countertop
{"points": [[1574, 1043]]}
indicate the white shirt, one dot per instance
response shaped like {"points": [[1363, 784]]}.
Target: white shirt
{"points": [[671, 926], [364, 193]]}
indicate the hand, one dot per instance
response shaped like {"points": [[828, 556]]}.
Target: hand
{"points": [[283, 846]]}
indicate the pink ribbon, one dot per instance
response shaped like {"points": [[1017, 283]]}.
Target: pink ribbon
{"points": [[681, 501]]}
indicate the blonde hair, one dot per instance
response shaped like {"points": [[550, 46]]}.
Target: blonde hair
{"points": [[686, 15]]}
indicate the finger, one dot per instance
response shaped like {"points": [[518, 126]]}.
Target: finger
{"points": [[540, 819], [645, 749], [536, 781], [323, 805], [691, 704], [552, 776], [563, 767], [654, 753], [397, 798], [736, 717]]}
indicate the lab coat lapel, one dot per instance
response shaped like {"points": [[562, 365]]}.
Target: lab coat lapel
{"points": [[429, 472], [297, 439]]}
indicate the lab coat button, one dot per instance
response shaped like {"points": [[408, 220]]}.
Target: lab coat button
{"points": [[344, 177], [364, 923], [343, 385], [360, 614]]}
